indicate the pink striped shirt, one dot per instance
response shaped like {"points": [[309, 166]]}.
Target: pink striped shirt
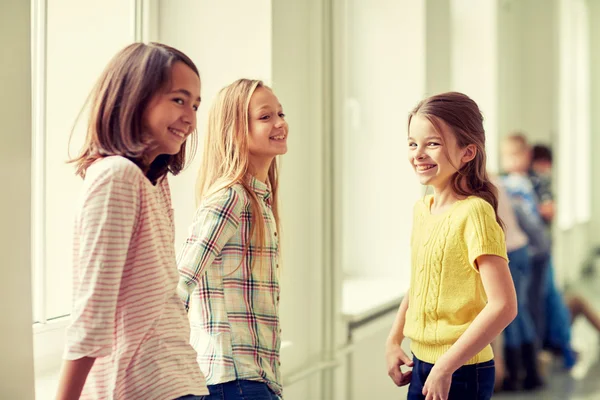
{"points": [[126, 310]]}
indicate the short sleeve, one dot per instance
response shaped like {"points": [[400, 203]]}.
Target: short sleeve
{"points": [[483, 234]]}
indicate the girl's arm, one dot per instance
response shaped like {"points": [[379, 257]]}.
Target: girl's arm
{"points": [[214, 225], [396, 335], [107, 220], [395, 356], [72, 378], [500, 310]]}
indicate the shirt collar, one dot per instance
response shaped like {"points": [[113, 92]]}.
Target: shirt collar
{"points": [[261, 189]]}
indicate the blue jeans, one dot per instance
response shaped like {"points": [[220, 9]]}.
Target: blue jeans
{"points": [[537, 294], [241, 390], [522, 329], [558, 320], [469, 382]]}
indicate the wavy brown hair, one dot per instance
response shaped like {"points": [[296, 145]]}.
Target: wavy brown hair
{"points": [[118, 101], [462, 115]]}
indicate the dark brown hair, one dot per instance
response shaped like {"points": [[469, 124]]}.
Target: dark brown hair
{"points": [[462, 115], [118, 102], [541, 152]]}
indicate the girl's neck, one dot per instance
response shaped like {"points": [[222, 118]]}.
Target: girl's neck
{"points": [[259, 168], [444, 198]]}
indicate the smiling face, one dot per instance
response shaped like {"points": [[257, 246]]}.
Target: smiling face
{"points": [[434, 157], [171, 114], [267, 126]]}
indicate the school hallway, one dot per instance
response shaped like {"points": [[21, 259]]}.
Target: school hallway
{"points": [[346, 74], [583, 382]]}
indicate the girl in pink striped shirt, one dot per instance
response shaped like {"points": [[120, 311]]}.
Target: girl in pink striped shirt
{"points": [[129, 337]]}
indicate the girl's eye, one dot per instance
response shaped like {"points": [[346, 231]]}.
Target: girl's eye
{"points": [[433, 144], [281, 115], [195, 108], [265, 117], [179, 101], [412, 145]]}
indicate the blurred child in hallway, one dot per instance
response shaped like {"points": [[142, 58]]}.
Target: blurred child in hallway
{"points": [[520, 351], [560, 309], [516, 160]]}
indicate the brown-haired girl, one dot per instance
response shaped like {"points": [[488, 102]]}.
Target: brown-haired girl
{"points": [[129, 336], [461, 294]]}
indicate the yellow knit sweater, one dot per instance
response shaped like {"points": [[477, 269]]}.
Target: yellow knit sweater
{"points": [[446, 292]]}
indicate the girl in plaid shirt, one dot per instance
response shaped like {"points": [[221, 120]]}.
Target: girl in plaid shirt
{"points": [[229, 264]]}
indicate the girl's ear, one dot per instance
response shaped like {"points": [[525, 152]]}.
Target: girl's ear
{"points": [[469, 154]]}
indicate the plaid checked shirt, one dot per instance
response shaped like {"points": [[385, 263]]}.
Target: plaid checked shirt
{"points": [[233, 312]]}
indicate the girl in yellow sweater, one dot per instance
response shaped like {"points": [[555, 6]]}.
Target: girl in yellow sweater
{"points": [[461, 294]]}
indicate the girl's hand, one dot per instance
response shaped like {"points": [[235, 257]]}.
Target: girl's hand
{"points": [[395, 358], [437, 385]]}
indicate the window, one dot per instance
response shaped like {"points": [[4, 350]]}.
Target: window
{"points": [[380, 72], [72, 41], [574, 150]]}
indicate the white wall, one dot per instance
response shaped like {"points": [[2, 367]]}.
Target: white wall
{"points": [[594, 8], [439, 46], [527, 69], [474, 61], [16, 367], [510, 61], [539, 49]]}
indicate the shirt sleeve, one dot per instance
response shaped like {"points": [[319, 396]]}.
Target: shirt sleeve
{"points": [[109, 212], [534, 227], [483, 234], [215, 223]]}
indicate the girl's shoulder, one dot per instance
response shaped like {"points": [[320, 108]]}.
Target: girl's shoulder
{"points": [[115, 168], [231, 195], [476, 207], [477, 202]]}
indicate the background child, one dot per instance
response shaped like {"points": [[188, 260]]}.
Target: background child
{"points": [[519, 336], [540, 174], [547, 306], [461, 294], [516, 159], [129, 338], [560, 310], [229, 264]]}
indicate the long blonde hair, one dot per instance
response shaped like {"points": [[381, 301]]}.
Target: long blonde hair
{"points": [[226, 160]]}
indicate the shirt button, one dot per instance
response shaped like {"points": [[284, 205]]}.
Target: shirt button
{"points": [[277, 266], [275, 234], [277, 298]]}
